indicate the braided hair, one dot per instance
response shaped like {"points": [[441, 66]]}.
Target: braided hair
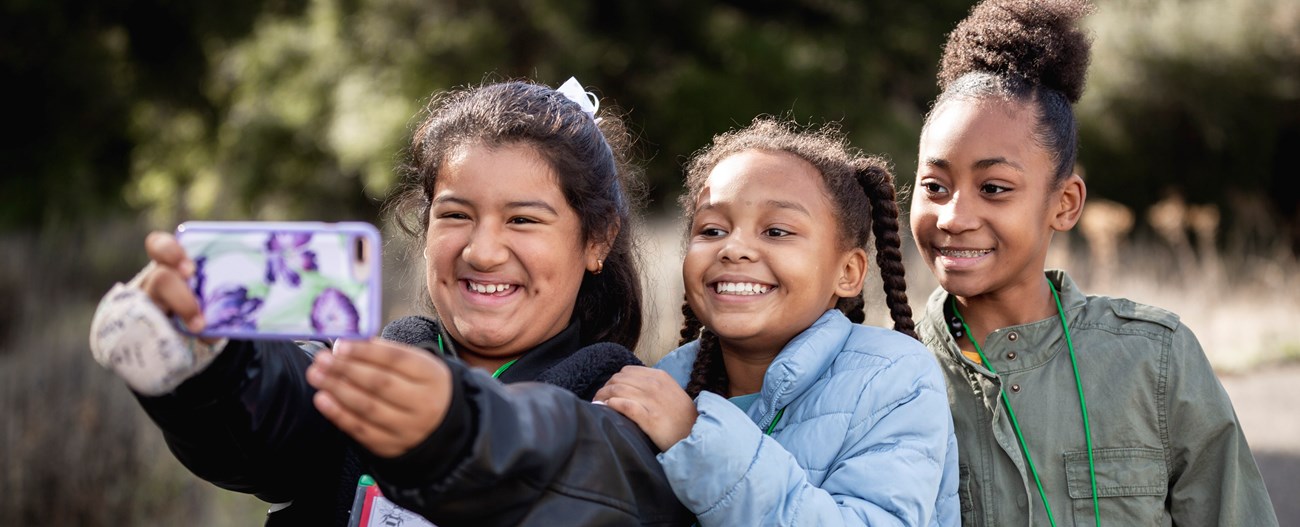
{"points": [[861, 188]]}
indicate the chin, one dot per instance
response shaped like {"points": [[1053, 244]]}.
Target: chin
{"points": [[961, 287]]}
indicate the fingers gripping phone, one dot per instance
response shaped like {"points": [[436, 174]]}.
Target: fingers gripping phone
{"points": [[285, 280]]}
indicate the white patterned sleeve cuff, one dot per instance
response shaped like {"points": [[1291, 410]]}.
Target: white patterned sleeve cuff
{"points": [[132, 338]]}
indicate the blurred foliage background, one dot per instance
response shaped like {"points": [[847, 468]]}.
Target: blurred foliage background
{"points": [[129, 115]]}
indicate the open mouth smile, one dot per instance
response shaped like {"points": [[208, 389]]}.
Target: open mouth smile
{"points": [[963, 253], [741, 288], [483, 288]]}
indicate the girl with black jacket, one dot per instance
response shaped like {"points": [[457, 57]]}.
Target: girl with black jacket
{"points": [[521, 197]]}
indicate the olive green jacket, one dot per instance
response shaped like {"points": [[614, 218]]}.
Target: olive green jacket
{"points": [[1167, 446]]}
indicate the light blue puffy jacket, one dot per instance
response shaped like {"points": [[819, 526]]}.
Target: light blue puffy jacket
{"points": [[866, 437]]}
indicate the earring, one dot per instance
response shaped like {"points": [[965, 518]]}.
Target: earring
{"points": [[426, 253], [600, 266]]}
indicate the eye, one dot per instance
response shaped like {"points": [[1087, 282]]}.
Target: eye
{"points": [[990, 188], [933, 188], [776, 232], [712, 232], [521, 220], [454, 216]]}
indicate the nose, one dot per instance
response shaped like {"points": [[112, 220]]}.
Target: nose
{"points": [[956, 215], [487, 248], [738, 247]]}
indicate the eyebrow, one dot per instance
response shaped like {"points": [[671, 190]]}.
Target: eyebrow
{"points": [[526, 204], [985, 163], [778, 203], [978, 165], [532, 204], [782, 204]]}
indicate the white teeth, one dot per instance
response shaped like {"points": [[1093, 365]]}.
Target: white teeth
{"points": [[741, 288], [488, 289], [968, 253]]}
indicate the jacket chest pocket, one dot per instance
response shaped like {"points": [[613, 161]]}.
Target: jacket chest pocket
{"points": [[1131, 486]]}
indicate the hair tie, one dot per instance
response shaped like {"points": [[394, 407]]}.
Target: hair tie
{"points": [[573, 90]]}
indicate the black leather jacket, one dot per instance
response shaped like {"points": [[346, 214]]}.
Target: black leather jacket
{"points": [[247, 424]]}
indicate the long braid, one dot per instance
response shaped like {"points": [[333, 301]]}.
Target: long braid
{"points": [[878, 183], [708, 373], [853, 307], [691, 325]]}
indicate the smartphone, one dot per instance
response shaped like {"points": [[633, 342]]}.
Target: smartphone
{"points": [[285, 280]]}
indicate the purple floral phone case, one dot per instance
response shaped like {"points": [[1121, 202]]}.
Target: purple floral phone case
{"points": [[285, 280]]}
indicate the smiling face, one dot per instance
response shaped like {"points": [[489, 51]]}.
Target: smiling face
{"points": [[505, 250], [765, 258], [985, 204]]}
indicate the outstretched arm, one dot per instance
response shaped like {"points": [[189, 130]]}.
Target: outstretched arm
{"points": [[237, 414]]}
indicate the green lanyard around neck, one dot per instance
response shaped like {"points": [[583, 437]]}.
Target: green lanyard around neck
{"points": [[775, 420], [1083, 407], [495, 374], [503, 368]]}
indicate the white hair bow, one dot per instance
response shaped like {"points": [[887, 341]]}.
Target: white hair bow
{"points": [[576, 93]]}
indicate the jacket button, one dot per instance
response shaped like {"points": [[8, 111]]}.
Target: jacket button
{"points": [[1011, 355], [1012, 336], [1015, 388]]}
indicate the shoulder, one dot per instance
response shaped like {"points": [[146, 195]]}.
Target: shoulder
{"points": [[1124, 316], [869, 346], [584, 371], [412, 330], [678, 363], [885, 364]]}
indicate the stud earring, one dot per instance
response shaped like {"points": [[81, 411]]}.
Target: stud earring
{"points": [[600, 266]]}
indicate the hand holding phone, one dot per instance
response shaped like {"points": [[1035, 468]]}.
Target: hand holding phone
{"points": [[285, 280]]}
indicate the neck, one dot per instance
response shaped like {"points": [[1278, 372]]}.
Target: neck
{"points": [[1028, 301], [486, 363], [746, 368]]}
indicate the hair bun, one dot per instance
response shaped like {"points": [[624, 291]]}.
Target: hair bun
{"points": [[1040, 42]]}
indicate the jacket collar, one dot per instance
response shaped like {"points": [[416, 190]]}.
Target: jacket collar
{"points": [[547, 354], [1034, 343], [799, 365]]}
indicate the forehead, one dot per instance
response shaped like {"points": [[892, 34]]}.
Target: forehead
{"points": [[504, 169], [963, 130], [756, 177]]}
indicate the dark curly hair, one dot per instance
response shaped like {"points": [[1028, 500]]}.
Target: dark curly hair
{"points": [[1029, 51], [589, 156], [862, 190]]}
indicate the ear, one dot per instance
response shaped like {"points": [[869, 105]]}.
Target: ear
{"points": [[852, 273], [1070, 199], [598, 248]]}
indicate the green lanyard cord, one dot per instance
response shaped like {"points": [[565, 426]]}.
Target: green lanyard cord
{"points": [[1083, 407], [495, 374], [775, 420], [503, 368]]}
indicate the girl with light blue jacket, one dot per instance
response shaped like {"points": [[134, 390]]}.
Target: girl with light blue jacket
{"points": [[781, 409]]}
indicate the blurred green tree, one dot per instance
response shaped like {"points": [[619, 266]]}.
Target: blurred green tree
{"points": [[299, 108], [1201, 98], [74, 73]]}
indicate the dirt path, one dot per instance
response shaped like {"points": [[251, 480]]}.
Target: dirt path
{"points": [[1268, 403]]}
